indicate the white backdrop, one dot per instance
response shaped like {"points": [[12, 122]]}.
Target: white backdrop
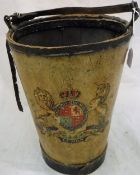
{"points": [[19, 147]]}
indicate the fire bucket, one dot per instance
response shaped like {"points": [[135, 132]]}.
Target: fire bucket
{"points": [[70, 64]]}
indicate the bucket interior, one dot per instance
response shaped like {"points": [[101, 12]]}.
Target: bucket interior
{"points": [[68, 32]]}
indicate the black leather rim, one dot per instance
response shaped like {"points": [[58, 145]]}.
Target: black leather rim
{"points": [[87, 168]]}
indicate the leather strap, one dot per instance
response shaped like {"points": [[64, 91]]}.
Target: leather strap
{"points": [[13, 71], [18, 18]]}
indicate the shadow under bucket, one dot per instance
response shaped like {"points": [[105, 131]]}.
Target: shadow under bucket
{"points": [[70, 66]]}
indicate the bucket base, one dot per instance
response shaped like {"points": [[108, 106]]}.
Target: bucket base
{"points": [[81, 169]]}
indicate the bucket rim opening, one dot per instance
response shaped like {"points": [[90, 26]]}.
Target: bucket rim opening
{"points": [[124, 35]]}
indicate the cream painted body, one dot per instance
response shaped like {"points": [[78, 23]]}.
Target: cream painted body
{"points": [[96, 76]]}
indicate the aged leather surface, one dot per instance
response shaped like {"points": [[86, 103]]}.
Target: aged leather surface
{"points": [[96, 76]]}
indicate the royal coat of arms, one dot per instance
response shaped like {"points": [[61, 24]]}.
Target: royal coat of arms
{"points": [[71, 114]]}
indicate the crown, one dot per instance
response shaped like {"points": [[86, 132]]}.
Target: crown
{"points": [[73, 93]]}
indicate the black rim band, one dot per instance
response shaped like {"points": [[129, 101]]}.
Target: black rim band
{"points": [[75, 169], [105, 21]]}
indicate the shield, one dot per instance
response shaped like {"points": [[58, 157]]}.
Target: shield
{"points": [[72, 114]]}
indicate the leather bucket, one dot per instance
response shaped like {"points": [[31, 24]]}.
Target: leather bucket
{"points": [[70, 64]]}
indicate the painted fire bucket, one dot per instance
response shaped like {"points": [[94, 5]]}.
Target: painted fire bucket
{"points": [[70, 64]]}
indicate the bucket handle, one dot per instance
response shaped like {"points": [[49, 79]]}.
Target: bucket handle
{"points": [[14, 20], [17, 18]]}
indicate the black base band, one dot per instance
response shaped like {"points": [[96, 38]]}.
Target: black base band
{"points": [[74, 169]]}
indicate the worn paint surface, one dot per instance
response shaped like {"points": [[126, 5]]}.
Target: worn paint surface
{"points": [[71, 99]]}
